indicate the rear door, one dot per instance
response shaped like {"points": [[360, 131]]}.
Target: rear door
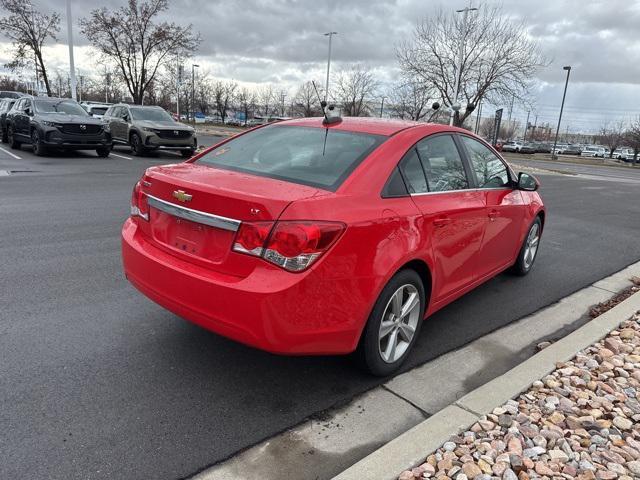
{"points": [[504, 207], [453, 213]]}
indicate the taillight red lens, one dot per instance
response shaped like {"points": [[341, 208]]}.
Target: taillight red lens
{"points": [[251, 237], [139, 204], [292, 245]]}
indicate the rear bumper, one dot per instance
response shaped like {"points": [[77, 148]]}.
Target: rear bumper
{"points": [[270, 309]]}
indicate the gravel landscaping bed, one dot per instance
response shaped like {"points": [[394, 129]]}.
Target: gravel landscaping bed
{"points": [[580, 422]]}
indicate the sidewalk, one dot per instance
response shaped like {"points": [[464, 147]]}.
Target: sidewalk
{"points": [[578, 417]]}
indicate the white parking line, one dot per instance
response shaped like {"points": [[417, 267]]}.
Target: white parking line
{"points": [[120, 156], [11, 154]]}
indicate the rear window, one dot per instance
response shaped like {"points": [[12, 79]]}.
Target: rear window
{"points": [[317, 157]]}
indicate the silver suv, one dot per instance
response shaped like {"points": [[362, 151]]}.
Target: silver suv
{"points": [[147, 128]]}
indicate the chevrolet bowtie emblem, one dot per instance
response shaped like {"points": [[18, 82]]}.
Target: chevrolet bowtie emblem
{"points": [[181, 196]]}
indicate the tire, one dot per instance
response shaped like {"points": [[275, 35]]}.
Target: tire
{"points": [[38, 148], [103, 152], [374, 354], [136, 145], [11, 138], [186, 153], [528, 252], [5, 138]]}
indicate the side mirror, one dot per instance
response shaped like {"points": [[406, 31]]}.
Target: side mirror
{"points": [[126, 118], [28, 111], [527, 182]]}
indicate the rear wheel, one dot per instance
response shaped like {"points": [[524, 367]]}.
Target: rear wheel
{"points": [[394, 324], [11, 138], [103, 151], [136, 145], [38, 148], [529, 249]]}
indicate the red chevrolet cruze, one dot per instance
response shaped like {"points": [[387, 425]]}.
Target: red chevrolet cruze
{"points": [[310, 237]]}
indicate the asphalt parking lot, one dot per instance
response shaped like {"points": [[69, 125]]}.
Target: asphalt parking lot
{"points": [[97, 382]]}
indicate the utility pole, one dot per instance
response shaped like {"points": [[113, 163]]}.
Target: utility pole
{"points": [[526, 127], [72, 68], [193, 90], [566, 83], [106, 88], [463, 39], [178, 85], [382, 106], [478, 116], [282, 97], [80, 89], [326, 87]]}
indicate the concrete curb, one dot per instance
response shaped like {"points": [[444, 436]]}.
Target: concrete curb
{"points": [[412, 447]]}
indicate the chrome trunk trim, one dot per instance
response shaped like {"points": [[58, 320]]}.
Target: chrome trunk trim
{"points": [[194, 215]]}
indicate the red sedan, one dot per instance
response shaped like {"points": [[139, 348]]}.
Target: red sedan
{"points": [[308, 237]]}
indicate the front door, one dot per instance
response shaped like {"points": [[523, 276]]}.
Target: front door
{"points": [[504, 208], [453, 214]]}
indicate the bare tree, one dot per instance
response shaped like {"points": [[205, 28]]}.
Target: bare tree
{"points": [[223, 97], [9, 83], [28, 29], [632, 137], [136, 42], [353, 88], [246, 103], [306, 102], [267, 100], [612, 135], [499, 58], [410, 100]]}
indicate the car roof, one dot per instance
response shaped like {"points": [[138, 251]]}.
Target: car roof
{"points": [[371, 125]]}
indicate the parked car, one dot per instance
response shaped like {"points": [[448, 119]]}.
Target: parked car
{"points": [[60, 123], [254, 122], [96, 109], [11, 94], [528, 148], [232, 122], [560, 148], [592, 151], [5, 105], [622, 153], [511, 146], [542, 147], [148, 128], [572, 150], [309, 237]]}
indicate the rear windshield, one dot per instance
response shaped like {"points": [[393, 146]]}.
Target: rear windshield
{"points": [[317, 157], [99, 110]]}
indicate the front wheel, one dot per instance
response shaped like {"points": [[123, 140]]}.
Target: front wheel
{"points": [[103, 151], [136, 145], [394, 324], [38, 148], [529, 249], [5, 137], [186, 153]]}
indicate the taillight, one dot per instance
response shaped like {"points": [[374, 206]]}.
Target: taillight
{"points": [[139, 204], [292, 245]]}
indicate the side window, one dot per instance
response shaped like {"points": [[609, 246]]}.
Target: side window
{"points": [[18, 105], [395, 186], [26, 104], [412, 172], [442, 164], [490, 171]]}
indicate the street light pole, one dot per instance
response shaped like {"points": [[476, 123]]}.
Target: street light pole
{"points": [[382, 106], [326, 87], [526, 127], [72, 68], [460, 55], [193, 91], [566, 83]]}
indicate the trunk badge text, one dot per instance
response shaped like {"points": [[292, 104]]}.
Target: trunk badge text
{"points": [[181, 196]]}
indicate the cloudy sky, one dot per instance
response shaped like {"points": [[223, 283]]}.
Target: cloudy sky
{"points": [[281, 42]]}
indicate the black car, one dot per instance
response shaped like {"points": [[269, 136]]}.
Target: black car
{"points": [[59, 123], [573, 150], [5, 106]]}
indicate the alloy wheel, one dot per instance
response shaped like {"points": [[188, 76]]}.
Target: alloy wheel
{"points": [[399, 323], [531, 248]]}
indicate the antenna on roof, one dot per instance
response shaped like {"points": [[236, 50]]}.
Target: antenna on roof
{"points": [[323, 104]]}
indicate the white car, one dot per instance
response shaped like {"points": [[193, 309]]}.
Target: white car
{"points": [[591, 151], [96, 109], [623, 153]]}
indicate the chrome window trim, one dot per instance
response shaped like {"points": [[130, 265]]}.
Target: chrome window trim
{"points": [[459, 191], [197, 216]]}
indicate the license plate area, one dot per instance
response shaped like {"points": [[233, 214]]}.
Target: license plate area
{"points": [[190, 238]]}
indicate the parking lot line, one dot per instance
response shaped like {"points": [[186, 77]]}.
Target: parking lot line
{"points": [[11, 154], [120, 156]]}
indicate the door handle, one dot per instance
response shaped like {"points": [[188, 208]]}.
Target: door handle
{"points": [[493, 214], [442, 221]]}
